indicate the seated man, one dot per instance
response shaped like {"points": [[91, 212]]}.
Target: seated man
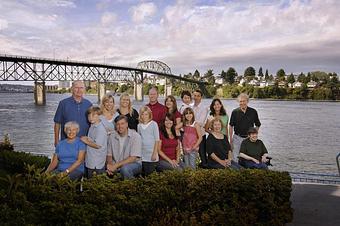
{"points": [[253, 153], [124, 151]]}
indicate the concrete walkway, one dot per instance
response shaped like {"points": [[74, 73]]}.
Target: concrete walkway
{"points": [[315, 205]]}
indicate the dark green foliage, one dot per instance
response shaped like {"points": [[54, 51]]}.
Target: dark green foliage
{"points": [[202, 197], [249, 72], [280, 73], [14, 162]]}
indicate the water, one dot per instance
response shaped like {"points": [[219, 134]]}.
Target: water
{"points": [[300, 136]]}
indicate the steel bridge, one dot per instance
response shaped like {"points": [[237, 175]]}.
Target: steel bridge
{"points": [[40, 70]]}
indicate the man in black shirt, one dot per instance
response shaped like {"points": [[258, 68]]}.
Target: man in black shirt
{"points": [[241, 120]]}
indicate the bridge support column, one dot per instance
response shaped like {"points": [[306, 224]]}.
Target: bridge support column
{"points": [[101, 90], [167, 88], [39, 93], [138, 91]]}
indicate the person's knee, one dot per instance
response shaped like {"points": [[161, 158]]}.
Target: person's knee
{"points": [[126, 171]]}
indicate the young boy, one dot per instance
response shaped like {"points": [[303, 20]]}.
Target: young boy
{"points": [[96, 141], [186, 99]]}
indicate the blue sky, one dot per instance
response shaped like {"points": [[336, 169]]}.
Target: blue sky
{"points": [[185, 34]]}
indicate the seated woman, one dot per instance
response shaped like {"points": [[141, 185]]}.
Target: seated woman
{"points": [[69, 155], [253, 153], [169, 152], [218, 148]]}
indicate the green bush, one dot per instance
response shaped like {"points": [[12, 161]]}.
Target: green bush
{"points": [[202, 197], [14, 162]]}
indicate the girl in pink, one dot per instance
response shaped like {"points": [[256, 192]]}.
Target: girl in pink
{"points": [[191, 138]]}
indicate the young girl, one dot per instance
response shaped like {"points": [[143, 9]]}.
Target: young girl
{"points": [[148, 130], [191, 138]]}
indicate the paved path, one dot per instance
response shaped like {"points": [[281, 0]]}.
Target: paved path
{"points": [[316, 205]]}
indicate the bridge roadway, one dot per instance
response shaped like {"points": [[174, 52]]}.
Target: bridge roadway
{"points": [[40, 70]]}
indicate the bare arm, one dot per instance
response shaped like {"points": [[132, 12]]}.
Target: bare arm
{"points": [[231, 130], [155, 151], [199, 136], [80, 160], [162, 154], [56, 133], [217, 159], [53, 164], [89, 142], [247, 157]]}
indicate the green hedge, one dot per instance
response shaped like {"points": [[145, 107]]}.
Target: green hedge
{"points": [[14, 162], [202, 197]]}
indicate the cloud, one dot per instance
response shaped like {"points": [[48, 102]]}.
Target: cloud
{"points": [[143, 12], [108, 19], [3, 24], [297, 36]]}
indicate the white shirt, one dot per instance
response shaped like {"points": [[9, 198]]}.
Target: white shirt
{"points": [[201, 113]]}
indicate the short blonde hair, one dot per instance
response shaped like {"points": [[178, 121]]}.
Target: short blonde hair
{"points": [[71, 124], [216, 119], [142, 110]]}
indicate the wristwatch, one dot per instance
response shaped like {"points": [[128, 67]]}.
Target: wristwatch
{"points": [[67, 171]]}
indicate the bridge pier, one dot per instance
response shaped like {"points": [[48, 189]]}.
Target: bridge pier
{"points": [[39, 93], [167, 88], [101, 87], [138, 91]]}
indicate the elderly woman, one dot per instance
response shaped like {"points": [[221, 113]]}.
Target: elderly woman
{"points": [[253, 153], [125, 108], [218, 148], [69, 155]]}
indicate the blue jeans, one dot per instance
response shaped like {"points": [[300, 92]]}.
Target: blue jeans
{"points": [[130, 170], [190, 159], [165, 165], [248, 164], [74, 175], [216, 165]]}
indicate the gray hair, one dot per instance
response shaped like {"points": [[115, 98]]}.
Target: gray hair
{"points": [[243, 96], [71, 124]]}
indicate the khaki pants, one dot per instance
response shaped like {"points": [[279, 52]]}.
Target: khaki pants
{"points": [[237, 140]]}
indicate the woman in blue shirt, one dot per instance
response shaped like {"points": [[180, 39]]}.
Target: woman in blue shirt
{"points": [[69, 155]]}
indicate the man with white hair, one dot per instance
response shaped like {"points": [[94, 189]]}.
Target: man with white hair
{"points": [[72, 109], [242, 118]]}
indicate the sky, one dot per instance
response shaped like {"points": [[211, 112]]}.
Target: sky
{"points": [[296, 35]]}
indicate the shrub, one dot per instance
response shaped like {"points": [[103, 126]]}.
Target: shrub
{"points": [[202, 197], [14, 162]]}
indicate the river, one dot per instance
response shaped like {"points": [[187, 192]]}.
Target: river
{"points": [[301, 136]]}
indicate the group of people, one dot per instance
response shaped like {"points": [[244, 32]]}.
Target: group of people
{"points": [[104, 139]]}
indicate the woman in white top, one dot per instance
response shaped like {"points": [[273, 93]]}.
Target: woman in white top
{"points": [[148, 130], [109, 112]]}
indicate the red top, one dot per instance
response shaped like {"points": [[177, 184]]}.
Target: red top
{"points": [[168, 146], [189, 138], [158, 112], [178, 114]]}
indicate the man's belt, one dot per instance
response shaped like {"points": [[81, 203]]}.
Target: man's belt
{"points": [[243, 136]]}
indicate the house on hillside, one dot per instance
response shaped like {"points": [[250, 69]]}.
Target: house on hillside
{"points": [[312, 84], [242, 81], [219, 81], [254, 82], [282, 84], [297, 84]]}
